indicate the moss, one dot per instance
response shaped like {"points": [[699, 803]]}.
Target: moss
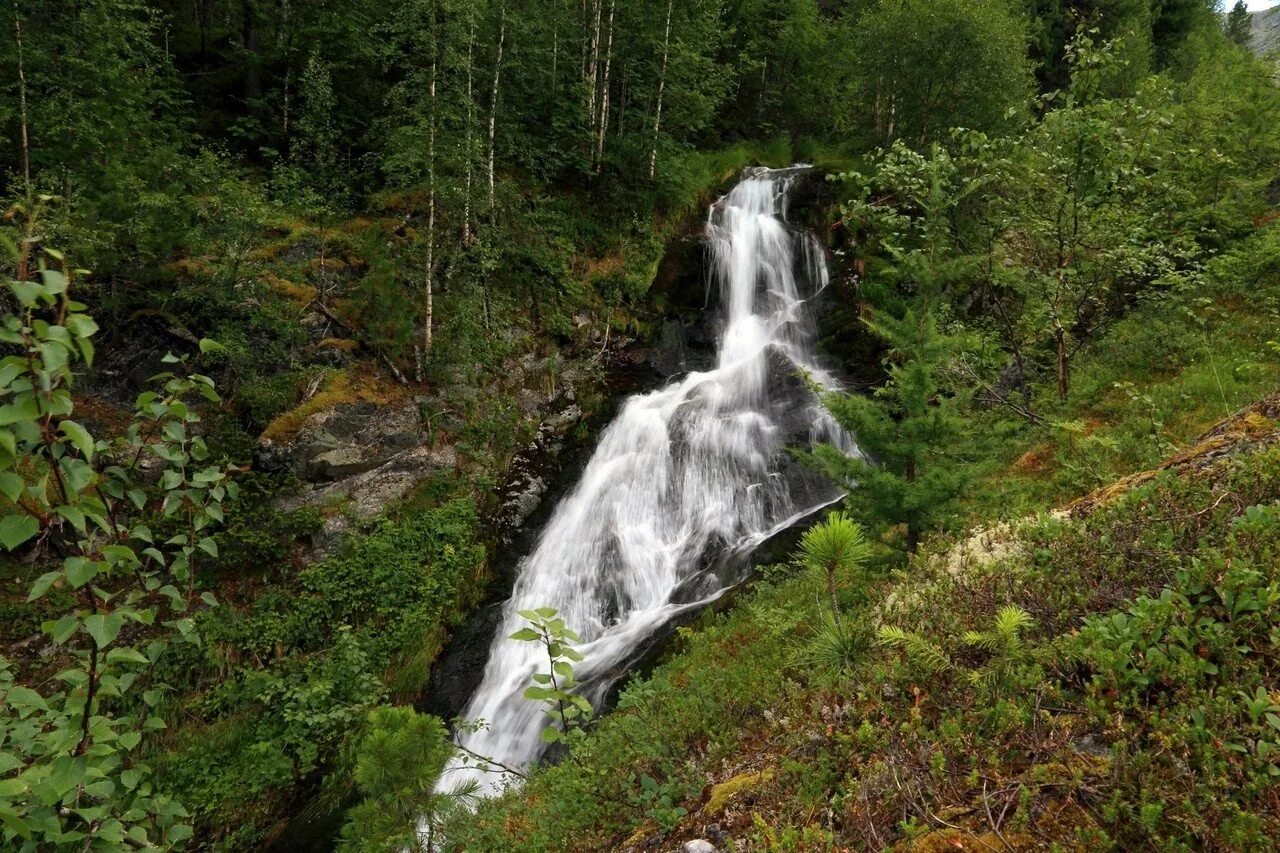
{"points": [[340, 344], [951, 840], [731, 789], [189, 269], [347, 386], [302, 294]]}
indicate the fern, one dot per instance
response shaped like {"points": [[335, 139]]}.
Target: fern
{"points": [[922, 652]]}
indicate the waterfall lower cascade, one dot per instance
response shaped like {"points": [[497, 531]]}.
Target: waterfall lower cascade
{"points": [[684, 479]]}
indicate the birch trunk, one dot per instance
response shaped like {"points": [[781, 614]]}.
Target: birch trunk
{"points": [[493, 107], [662, 85], [469, 143], [593, 66], [431, 192], [22, 103], [604, 98], [493, 128]]}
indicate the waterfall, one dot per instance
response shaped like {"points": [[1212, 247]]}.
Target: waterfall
{"points": [[684, 479]]}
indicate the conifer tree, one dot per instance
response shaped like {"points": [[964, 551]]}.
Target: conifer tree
{"points": [[911, 429], [1239, 24]]}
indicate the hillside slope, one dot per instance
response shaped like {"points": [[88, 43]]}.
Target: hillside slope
{"points": [[1266, 30], [1130, 699], [1139, 708]]}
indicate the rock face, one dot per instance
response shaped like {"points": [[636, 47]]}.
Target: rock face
{"points": [[356, 460], [359, 458], [1266, 31]]}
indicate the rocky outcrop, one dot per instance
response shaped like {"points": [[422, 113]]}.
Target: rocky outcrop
{"points": [[1266, 31], [356, 459]]}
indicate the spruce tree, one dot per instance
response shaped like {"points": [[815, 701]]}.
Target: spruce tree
{"points": [[1239, 25], [911, 429]]}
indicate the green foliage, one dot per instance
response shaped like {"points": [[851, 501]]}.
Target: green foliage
{"points": [[398, 762], [568, 710], [836, 547], [74, 776], [922, 67], [910, 429], [283, 685], [922, 652], [1239, 24]]}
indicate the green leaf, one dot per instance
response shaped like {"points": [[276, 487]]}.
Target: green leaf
{"points": [[13, 823], [74, 515], [82, 325], [42, 584], [79, 436], [526, 635], [11, 485], [16, 529], [79, 571], [177, 833], [208, 345], [23, 408], [104, 628], [76, 473], [208, 546], [27, 292], [62, 630], [24, 697]]}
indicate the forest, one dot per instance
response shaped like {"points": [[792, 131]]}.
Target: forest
{"points": [[315, 312]]}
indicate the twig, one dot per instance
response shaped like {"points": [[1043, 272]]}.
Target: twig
{"points": [[493, 761], [995, 827]]}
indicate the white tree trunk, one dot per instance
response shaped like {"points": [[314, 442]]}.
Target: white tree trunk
{"points": [[593, 67], [469, 143], [22, 103], [431, 192], [493, 107], [662, 85], [604, 98]]}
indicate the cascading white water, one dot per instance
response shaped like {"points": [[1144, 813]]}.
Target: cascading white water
{"points": [[684, 474]]}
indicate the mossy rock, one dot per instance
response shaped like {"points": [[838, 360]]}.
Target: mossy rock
{"points": [[731, 789]]}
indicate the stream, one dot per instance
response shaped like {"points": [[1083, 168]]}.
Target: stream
{"points": [[685, 483]]}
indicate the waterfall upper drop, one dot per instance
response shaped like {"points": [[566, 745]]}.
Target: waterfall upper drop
{"points": [[683, 481]]}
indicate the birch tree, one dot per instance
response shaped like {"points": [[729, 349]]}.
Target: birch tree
{"points": [[662, 86]]}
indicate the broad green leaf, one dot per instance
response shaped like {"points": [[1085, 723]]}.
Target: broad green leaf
{"points": [[62, 630], [74, 515], [42, 584], [11, 485], [13, 823], [24, 697], [82, 325], [79, 436], [79, 571], [16, 529], [104, 628], [24, 408]]}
